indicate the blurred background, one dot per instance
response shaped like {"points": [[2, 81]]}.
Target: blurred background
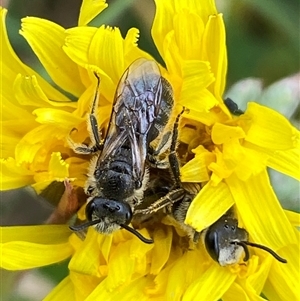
{"points": [[263, 41]]}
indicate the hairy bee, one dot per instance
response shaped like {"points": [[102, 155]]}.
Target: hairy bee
{"points": [[118, 173], [224, 240]]}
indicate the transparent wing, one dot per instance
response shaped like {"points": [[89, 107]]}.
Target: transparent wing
{"points": [[136, 106]]}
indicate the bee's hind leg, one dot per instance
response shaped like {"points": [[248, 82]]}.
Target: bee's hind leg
{"points": [[173, 159], [154, 153]]}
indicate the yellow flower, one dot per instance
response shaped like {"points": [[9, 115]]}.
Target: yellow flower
{"points": [[231, 155]]}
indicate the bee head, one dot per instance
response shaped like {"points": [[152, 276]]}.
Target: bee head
{"points": [[218, 240], [225, 242], [112, 211], [109, 215]]}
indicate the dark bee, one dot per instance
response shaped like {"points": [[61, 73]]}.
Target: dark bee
{"points": [[118, 172], [224, 240]]}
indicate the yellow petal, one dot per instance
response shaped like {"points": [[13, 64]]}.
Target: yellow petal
{"points": [[251, 162], [164, 17], [46, 39], [56, 117], [294, 217], [206, 118], [89, 10], [161, 251], [39, 140], [222, 133], [219, 168], [131, 291], [172, 57], [162, 23], [235, 292], [121, 266], [80, 262], [100, 47], [196, 77], [21, 255], [105, 244], [198, 100], [139, 250], [214, 50], [131, 49], [286, 162], [36, 234], [77, 43], [106, 50], [14, 175], [83, 285], [283, 280], [63, 289], [255, 200], [270, 129], [210, 203], [205, 288], [189, 44], [12, 111], [29, 93], [103, 47], [8, 141], [192, 263], [196, 169], [11, 66], [58, 167], [256, 280]]}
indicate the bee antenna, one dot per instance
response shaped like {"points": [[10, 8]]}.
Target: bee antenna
{"points": [[137, 234], [85, 225], [244, 244]]}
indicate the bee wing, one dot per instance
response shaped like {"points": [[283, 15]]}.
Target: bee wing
{"points": [[136, 105]]}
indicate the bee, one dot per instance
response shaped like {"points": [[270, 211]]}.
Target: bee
{"points": [[118, 172], [224, 241]]}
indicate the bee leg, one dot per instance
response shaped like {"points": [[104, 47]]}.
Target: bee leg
{"points": [[178, 193], [153, 153], [93, 129], [173, 160], [168, 139], [169, 199]]}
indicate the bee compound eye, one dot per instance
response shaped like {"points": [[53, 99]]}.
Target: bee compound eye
{"points": [[128, 215], [125, 212], [212, 244], [90, 210]]}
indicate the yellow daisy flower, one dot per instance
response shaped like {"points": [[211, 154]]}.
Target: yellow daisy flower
{"points": [[230, 155]]}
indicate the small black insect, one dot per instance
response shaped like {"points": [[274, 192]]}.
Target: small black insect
{"points": [[135, 139], [233, 107]]}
